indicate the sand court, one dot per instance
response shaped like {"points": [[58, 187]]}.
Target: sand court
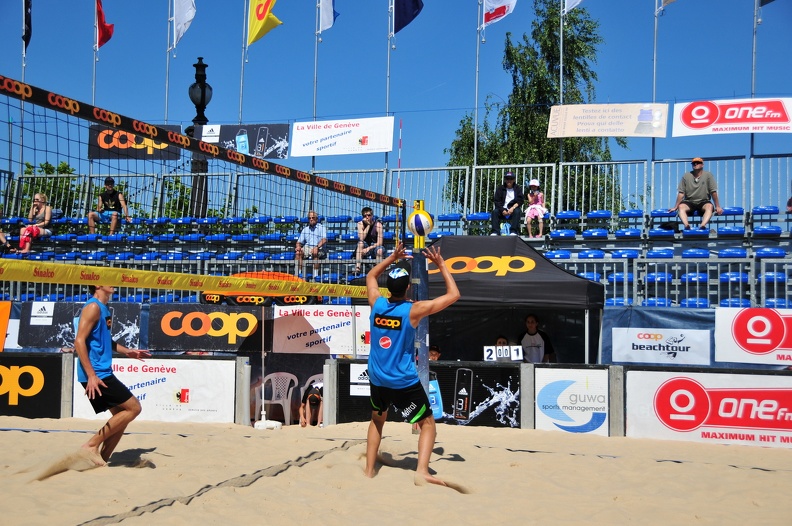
{"points": [[171, 473]]}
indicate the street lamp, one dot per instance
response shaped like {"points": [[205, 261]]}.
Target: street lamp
{"points": [[200, 93]]}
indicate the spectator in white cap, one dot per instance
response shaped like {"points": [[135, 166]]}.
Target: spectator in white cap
{"points": [[536, 209]]}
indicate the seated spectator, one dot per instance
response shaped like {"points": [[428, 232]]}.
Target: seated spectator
{"points": [[312, 243], [108, 210], [536, 209], [501, 340], [789, 205], [39, 218], [536, 344], [5, 246], [508, 199], [434, 353], [311, 405], [369, 230], [697, 192]]}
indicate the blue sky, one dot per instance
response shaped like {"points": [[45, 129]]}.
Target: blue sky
{"points": [[704, 52]]}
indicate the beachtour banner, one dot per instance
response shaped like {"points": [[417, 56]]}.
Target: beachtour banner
{"points": [[716, 117], [652, 345], [608, 120], [171, 390], [343, 137], [753, 336]]}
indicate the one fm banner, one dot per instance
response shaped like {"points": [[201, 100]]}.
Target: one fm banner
{"points": [[172, 390], [608, 120], [572, 400], [652, 345], [265, 141], [111, 143], [700, 407], [753, 336], [716, 117], [204, 328], [342, 137], [322, 329]]}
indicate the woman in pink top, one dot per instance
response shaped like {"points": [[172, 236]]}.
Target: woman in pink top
{"points": [[536, 209]]}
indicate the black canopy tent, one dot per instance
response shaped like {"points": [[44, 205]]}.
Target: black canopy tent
{"points": [[502, 279]]}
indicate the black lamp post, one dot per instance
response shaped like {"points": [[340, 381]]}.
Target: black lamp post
{"points": [[200, 93]]}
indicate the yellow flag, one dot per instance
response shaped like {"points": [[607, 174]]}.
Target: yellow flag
{"points": [[260, 19]]}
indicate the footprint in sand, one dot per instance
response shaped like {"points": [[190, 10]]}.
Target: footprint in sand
{"points": [[80, 460]]}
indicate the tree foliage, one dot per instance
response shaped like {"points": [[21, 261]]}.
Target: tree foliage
{"points": [[519, 135]]}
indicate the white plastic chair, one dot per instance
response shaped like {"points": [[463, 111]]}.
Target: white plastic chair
{"points": [[281, 388]]}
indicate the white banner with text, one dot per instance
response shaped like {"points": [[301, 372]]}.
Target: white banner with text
{"points": [[344, 137]]}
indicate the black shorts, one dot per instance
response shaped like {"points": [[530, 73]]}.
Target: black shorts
{"points": [[113, 395], [696, 207], [411, 401]]}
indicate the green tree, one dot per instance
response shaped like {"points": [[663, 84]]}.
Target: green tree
{"points": [[58, 183], [519, 135]]}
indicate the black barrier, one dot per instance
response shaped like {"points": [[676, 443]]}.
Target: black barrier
{"points": [[472, 394], [30, 385], [205, 328]]}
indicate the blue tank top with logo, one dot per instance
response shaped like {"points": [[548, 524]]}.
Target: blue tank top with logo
{"points": [[99, 343], [392, 357]]}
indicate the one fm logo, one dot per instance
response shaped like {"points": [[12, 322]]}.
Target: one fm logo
{"points": [[557, 407], [683, 404]]}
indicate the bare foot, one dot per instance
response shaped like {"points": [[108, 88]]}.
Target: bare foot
{"points": [[93, 455], [422, 479]]}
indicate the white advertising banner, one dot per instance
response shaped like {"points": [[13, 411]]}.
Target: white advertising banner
{"points": [[661, 346], [572, 400], [753, 336], [359, 380], [171, 390], [343, 137], [716, 117], [320, 329], [608, 120], [715, 408]]}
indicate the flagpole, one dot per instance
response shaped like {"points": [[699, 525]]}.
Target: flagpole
{"points": [[756, 22], [244, 51], [658, 10], [479, 33], [391, 33], [318, 38], [24, 50], [561, 75], [95, 53], [167, 57]]}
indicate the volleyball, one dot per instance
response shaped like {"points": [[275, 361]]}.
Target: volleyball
{"points": [[420, 223]]}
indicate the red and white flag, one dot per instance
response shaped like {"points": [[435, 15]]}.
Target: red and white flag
{"points": [[104, 31], [494, 10]]}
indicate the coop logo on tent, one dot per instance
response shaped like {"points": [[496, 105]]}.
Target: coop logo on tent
{"points": [[500, 265], [572, 407]]}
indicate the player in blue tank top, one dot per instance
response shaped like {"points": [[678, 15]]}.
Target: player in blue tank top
{"points": [[391, 366], [94, 346]]}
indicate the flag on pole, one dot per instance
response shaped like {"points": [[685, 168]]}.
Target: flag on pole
{"points": [[494, 10], [404, 12], [28, 23], [569, 5], [104, 31], [183, 14], [260, 19], [327, 14], [666, 2], [763, 3]]}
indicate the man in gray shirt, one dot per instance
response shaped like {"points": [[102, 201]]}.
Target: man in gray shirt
{"points": [[694, 192]]}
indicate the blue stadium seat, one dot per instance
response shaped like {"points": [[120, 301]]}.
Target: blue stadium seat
{"points": [[283, 256], [564, 233], [113, 239], [172, 256], [618, 302], [256, 256], [191, 238], [438, 235], [777, 303], [695, 253], [625, 254], [657, 302], [71, 238], [767, 231], [660, 233], [244, 238], [182, 221], [733, 277], [207, 221], [259, 220], [591, 254], [79, 297], [694, 277], [165, 238], [273, 237], [558, 254], [695, 303], [201, 256], [695, 233], [595, 233], [591, 276], [769, 252], [292, 238], [55, 296], [659, 277], [120, 256], [138, 238], [69, 256], [773, 277], [148, 256], [732, 253], [84, 238], [343, 255], [731, 231], [660, 253], [218, 238], [352, 236], [742, 303], [35, 256], [165, 298], [99, 255], [620, 277], [230, 256], [235, 220], [338, 301], [628, 233]]}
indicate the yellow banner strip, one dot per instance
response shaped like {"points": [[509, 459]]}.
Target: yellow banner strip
{"points": [[68, 274]]}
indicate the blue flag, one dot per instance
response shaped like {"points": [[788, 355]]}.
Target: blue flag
{"points": [[404, 12]]}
